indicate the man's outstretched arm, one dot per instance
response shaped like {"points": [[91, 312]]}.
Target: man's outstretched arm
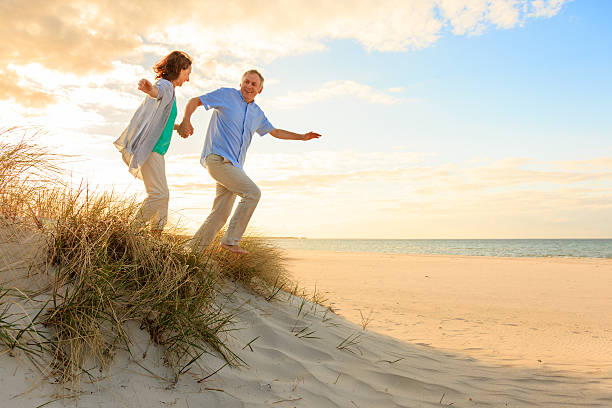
{"points": [[287, 135]]}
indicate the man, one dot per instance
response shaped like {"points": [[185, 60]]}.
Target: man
{"points": [[235, 118]]}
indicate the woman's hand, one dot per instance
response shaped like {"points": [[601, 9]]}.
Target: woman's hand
{"points": [[148, 88]]}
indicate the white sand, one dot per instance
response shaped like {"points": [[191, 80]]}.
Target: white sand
{"points": [[378, 371], [534, 312]]}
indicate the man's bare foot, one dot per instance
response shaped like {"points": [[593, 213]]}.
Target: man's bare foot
{"points": [[235, 249]]}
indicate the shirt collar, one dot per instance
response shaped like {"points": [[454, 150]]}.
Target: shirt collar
{"points": [[244, 100]]}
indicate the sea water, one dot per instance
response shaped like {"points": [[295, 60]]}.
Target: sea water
{"points": [[583, 248]]}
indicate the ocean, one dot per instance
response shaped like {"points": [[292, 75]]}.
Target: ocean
{"points": [[582, 248]]}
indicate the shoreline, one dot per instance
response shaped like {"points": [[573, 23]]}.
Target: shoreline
{"points": [[585, 258], [600, 248], [517, 311]]}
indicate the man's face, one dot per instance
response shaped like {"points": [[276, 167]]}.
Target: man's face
{"points": [[250, 87]]}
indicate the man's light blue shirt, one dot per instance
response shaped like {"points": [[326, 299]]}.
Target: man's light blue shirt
{"points": [[232, 125]]}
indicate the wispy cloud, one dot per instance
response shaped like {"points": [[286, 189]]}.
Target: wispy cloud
{"points": [[388, 194], [333, 89], [61, 35], [410, 172], [545, 8], [601, 163], [475, 16], [22, 92]]}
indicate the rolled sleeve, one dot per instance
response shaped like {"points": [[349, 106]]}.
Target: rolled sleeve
{"points": [[265, 127], [213, 99]]}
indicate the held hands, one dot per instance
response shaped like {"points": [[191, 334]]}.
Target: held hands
{"points": [[311, 135], [185, 129]]}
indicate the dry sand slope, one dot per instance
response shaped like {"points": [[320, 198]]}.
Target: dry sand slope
{"points": [[288, 371], [549, 314], [299, 355]]}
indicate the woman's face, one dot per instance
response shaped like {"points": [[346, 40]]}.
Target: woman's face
{"points": [[183, 76]]}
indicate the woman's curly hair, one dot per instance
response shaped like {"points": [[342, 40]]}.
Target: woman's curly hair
{"points": [[171, 65]]}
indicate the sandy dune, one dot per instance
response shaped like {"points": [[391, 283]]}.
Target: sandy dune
{"points": [[295, 355], [287, 371]]}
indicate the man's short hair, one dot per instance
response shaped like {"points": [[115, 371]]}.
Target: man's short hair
{"points": [[254, 71]]}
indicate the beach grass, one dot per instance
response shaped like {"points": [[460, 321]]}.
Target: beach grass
{"points": [[105, 269], [109, 270], [263, 271]]}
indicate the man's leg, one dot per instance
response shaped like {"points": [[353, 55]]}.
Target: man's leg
{"points": [[154, 208], [249, 197], [222, 207], [236, 181]]}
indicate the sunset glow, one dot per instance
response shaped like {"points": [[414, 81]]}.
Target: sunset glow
{"points": [[440, 118]]}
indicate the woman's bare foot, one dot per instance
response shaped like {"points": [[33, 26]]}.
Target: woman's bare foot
{"points": [[235, 249]]}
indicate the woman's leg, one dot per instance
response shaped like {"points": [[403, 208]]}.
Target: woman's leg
{"points": [[154, 208]]}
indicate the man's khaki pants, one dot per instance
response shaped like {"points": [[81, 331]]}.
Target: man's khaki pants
{"points": [[231, 181], [154, 209]]}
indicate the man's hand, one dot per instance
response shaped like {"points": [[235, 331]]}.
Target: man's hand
{"points": [[185, 129], [311, 135]]}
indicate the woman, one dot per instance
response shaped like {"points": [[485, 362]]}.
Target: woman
{"points": [[147, 138]]}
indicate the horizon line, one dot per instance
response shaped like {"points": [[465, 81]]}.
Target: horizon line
{"points": [[432, 239]]}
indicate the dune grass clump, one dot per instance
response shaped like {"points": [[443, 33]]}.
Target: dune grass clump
{"points": [[26, 170], [262, 270], [110, 270], [106, 269]]}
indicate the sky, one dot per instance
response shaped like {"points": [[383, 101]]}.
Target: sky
{"points": [[440, 118]]}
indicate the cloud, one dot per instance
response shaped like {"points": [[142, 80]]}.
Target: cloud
{"points": [[330, 90], [475, 16], [284, 171], [71, 36], [501, 177], [88, 36], [539, 206], [62, 100], [389, 194], [397, 176], [330, 162], [13, 88], [512, 197], [546, 8], [514, 171], [602, 163], [464, 17]]}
